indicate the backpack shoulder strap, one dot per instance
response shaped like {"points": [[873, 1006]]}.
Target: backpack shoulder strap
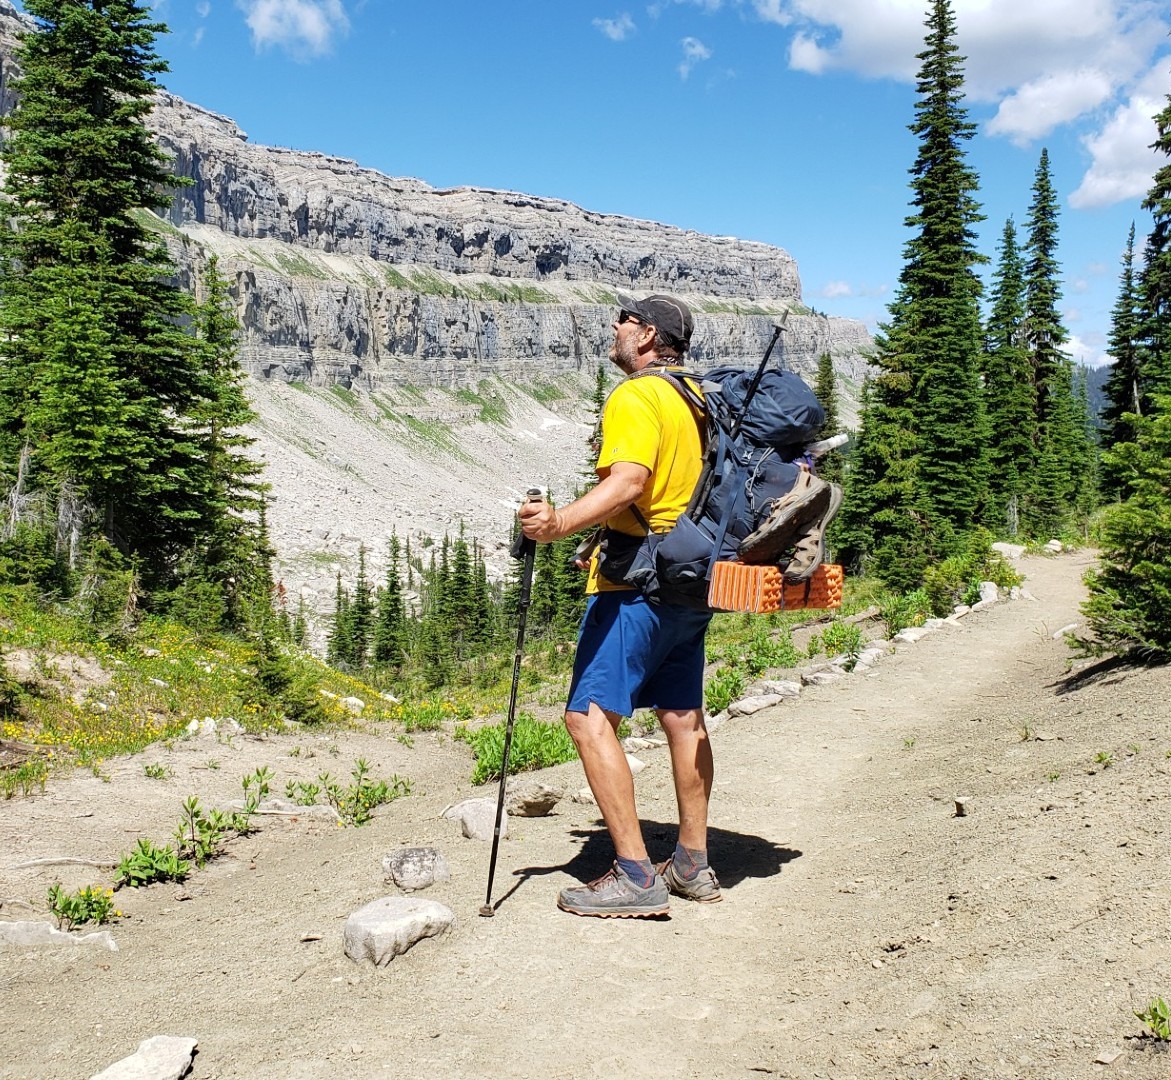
{"points": [[687, 383]]}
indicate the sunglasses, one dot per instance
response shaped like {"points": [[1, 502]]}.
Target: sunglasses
{"points": [[630, 316]]}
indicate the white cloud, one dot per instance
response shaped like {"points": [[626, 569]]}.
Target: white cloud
{"points": [[1043, 63], [773, 11], [304, 27], [618, 29], [1088, 350], [694, 51], [1039, 106], [657, 9], [197, 37], [203, 9], [835, 290], [1122, 161]]}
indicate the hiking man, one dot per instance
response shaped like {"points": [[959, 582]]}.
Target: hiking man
{"points": [[633, 654]]}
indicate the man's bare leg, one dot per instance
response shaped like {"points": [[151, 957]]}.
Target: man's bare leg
{"points": [[693, 770], [595, 734]]}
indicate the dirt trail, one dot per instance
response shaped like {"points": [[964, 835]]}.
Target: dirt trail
{"points": [[867, 931]]}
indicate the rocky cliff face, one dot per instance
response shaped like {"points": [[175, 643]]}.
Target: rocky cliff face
{"points": [[346, 275]]}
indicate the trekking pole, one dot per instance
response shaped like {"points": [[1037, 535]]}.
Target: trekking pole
{"points": [[526, 549], [778, 329]]}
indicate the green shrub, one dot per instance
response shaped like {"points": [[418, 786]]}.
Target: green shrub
{"points": [[1157, 1017], [843, 639], [535, 745], [355, 804], [724, 687], [148, 863], [91, 904], [900, 611]]}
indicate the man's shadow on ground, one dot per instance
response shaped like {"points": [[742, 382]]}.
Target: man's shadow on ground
{"points": [[733, 855]]}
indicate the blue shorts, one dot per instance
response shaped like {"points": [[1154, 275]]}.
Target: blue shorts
{"points": [[632, 654]]}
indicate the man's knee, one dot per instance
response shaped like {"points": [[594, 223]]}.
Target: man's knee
{"points": [[587, 726]]}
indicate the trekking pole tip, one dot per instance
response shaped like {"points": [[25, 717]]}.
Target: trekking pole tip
{"points": [[487, 911]]}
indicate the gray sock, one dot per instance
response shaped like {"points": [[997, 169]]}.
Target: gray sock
{"points": [[640, 871], [689, 861]]}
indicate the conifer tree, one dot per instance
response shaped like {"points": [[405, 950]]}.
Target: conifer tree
{"points": [[1129, 608], [829, 467], [1122, 388], [1068, 459], [86, 292], [361, 614], [926, 434], [1155, 280], [1008, 391], [389, 644]]}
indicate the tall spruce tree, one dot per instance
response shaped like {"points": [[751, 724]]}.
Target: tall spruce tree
{"points": [[825, 387], [86, 292], [1008, 390], [1155, 281], [1122, 388], [927, 432], [1129, 607]]}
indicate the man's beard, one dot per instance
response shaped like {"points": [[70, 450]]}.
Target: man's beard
{"points": [[624, 356]]}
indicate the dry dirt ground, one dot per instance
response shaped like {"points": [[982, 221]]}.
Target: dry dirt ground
{"points": [[867, 931]]}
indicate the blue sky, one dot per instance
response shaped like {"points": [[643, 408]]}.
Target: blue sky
{"points": [[783, 121]]}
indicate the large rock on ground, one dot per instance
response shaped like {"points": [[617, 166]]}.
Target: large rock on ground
{"points": [[388, 927], [477, 818], [415, 868]]}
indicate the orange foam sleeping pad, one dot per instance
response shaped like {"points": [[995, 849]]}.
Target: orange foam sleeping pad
{"points": [[737, 586]]}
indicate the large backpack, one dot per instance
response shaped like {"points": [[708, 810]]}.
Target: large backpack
{"points": [[749, 474]]}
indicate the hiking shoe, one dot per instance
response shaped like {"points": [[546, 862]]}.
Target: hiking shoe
{"points": [[809, 553], [788, 521], [704, 888], [615, 896]]}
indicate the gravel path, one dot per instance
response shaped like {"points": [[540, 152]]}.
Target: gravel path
{"points": [[867, 930]]}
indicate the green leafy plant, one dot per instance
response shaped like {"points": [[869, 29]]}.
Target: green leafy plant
{"points": [[535, 745], [1104, 758], [909, 742], [148, 863], [24, 778], [91, 904], [724, 687], [1157, 1017], [843, 639], [303, 792], [156, 772], [907, 609], [355, 804]]}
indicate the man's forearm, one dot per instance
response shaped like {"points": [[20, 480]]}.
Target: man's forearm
{"points": [[617, 490]]}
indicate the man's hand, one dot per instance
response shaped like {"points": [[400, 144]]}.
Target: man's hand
{"points": [[619, 486], [540, 522]]}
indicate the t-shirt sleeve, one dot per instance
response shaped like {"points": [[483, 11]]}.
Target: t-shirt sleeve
{"points": [[631, 428]]}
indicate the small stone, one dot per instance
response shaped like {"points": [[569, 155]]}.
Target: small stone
{"points": [[477, 817], [151, 652], [163, 1057], [1009, 551], [749, 705], [585, 797], [531, 799], [960, 610], [911, 634], [989, 590], [388, 927], [636, 766], [415, 868], [354, 705], [820, 678], [1069, 628], [962, 806], [784, 688], [1055, 547], [1107, 1057]]}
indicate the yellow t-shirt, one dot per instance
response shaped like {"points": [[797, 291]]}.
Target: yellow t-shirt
{"points": [[647, 422]]}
